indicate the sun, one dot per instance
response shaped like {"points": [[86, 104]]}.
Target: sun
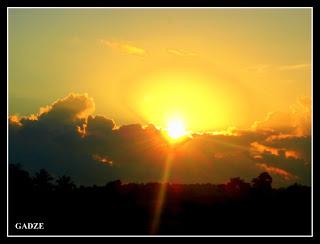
{"points": [[176, 129]]}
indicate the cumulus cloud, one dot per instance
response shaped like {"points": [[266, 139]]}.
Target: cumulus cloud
{"points": [[297, 121], [98, 126], [124, 47], [66, 110], [67, 138], [286, 150]]}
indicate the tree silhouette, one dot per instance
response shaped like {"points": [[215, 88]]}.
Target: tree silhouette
{"points": [[19, 179], [187, 209], [237, 185], [43, 181], [64, 184], [113, 186], [262, 182]]}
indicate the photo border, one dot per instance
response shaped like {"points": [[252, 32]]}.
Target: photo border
{"points": [[221, 5]]}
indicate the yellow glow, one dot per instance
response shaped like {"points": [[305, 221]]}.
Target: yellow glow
{"points": [[194, 97], [176, 128]]}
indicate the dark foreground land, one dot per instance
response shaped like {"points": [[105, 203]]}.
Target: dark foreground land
{"points": [[234, 208]]}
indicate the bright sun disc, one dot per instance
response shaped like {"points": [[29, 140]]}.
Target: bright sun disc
{"points": [[176, 129]]}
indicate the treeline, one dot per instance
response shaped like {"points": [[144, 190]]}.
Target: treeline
{"points": [[236, 207]]}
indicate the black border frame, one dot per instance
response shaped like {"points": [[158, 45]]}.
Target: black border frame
{"points": [[165, 3]]}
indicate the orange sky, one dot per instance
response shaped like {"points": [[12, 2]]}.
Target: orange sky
{"points": [[213, 68]]}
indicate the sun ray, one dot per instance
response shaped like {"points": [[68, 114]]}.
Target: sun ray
{"points": [[162, 194]]}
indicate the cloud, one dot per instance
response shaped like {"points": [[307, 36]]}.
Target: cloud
{"points": [[14, 120], [298, 147], [297, 121], [258, 148], [274, 170], [124, 47], [102, 159], [259, 68], [67, 138], [294, 67], [98, 126], [74, 106], [286, 150], [66, 110], [297, 168], [182, 53]]}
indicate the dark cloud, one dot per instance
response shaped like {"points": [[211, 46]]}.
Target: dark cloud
{"points": [[98, 126], [66, 138], [67, 110]]}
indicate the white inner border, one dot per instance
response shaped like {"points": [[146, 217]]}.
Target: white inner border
{"points": [[138, 8]]}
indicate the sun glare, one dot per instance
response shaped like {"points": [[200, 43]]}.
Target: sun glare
{"points": [[176, 128]]}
